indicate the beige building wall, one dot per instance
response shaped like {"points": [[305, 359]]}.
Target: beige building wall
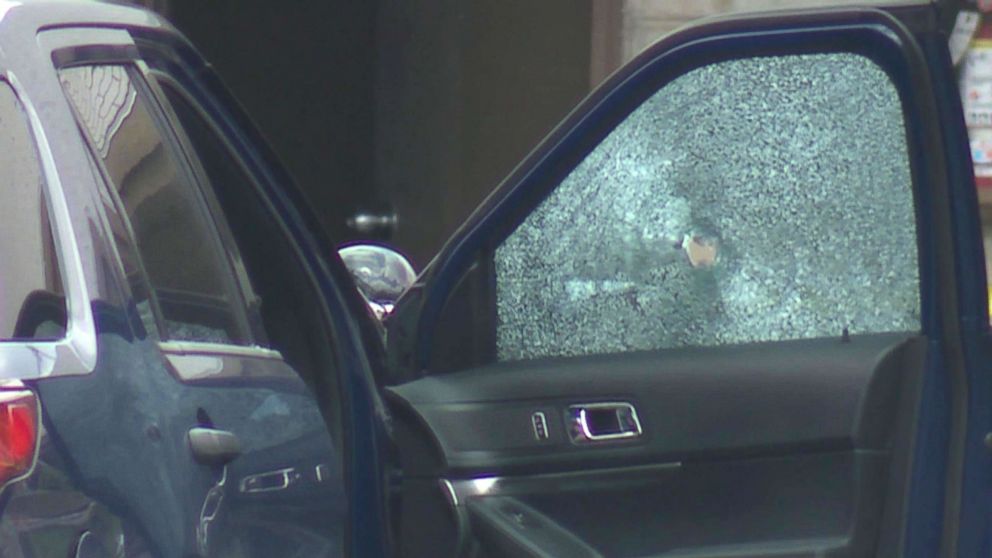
{"points": [[623, 28]]}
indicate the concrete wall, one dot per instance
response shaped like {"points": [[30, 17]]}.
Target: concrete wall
{"points": [[645, 21]]}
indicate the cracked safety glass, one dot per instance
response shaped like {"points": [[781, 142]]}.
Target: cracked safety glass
{"points": [[752, 200]]}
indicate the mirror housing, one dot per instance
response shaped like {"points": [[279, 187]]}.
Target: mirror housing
{"points": [[381, 274]]}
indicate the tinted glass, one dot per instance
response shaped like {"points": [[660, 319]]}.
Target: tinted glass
{"points": [[713, 215], [179, 251], [32, 305]]}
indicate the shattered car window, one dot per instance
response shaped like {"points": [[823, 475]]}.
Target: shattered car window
{"points": [[752, 200]]}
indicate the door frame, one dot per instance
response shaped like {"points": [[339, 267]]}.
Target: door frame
{"points": [[935, 488]]}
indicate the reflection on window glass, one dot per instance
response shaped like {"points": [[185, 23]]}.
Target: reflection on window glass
{"points": [[223, 172], [32, 304], [178, 252], [751, 200]]}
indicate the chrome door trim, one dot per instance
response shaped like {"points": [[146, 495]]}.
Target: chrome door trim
{"points": [[581, 431], [459, 491], [218, 349]]}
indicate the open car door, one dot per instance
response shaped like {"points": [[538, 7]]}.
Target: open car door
{"points": [[727, 309]]}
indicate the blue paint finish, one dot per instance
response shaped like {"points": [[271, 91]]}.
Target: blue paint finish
{"points": [[976, 504], [976, 492], [365, 431], [358, 345], [926, 495], [924, 524]]}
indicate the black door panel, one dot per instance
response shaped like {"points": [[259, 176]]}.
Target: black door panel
{"points": [[817, 395], [755, 450], [804, 502], [515, 529]]}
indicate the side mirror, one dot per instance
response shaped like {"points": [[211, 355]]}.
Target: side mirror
{"points": [[382, 274]]}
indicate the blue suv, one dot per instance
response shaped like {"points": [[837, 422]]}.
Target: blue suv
{"points": [[733, 306]]}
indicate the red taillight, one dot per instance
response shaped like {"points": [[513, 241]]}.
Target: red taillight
{"points": [[18, 434]]}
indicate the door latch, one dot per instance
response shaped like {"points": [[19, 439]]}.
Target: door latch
{"points": [[601, 422], [272, 481]]}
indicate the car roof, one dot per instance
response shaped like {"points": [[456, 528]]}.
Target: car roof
{"points": [[20, 18], [21, 22], [73, 12]]}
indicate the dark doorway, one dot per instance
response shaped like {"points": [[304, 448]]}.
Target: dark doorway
{"points": [[417, 108]]}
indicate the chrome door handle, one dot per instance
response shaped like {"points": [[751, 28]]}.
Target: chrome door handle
{"points": [[601, 422], [270, 481]]}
